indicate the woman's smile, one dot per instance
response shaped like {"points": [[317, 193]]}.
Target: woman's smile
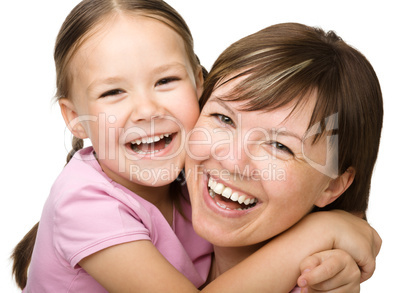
{"points": [[229, 198], [252, 182]]}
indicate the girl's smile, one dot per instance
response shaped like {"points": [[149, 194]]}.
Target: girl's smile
{"points": [[141, 100], [151, 145]]}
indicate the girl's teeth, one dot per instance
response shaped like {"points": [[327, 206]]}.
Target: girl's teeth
{"points": [[241, 199], [150, 139]]}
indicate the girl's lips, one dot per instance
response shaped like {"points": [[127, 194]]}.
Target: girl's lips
{"points": [[225, 200], [153, 146]]}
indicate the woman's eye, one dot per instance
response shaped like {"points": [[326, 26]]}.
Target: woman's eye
{"points": [[224, 119], [281, 147], [165, 81], [114, 92]]}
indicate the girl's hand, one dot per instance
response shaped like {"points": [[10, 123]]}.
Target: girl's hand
{"points": [[275, 267], [329, 271], [361, 241]]}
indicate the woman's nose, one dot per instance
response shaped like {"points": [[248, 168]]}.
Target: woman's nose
{"points": [[232, 155]]}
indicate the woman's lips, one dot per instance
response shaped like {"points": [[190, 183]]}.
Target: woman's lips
{"points": [[227, 200], [232, 199]]}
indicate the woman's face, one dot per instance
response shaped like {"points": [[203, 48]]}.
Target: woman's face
{"points": [[247, 172]]}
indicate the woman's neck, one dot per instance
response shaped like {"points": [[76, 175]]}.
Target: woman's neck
{"points": [[228, 257]]}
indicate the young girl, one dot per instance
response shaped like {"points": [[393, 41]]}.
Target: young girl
{"points": [[129, 81]]}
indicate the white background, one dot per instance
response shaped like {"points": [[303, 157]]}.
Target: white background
{"points": [[34, 142]]}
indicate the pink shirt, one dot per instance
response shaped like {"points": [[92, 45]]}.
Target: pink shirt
{"points": [[86, 212]]}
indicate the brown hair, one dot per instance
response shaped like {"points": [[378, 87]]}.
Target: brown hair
{"points": [[287, 62], [81, 21], [79, 25]]}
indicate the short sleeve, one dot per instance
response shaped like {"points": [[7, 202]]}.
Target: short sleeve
{"points": [[93, 217]]}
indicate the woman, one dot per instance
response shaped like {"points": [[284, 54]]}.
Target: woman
{"points": [[290, 124], [100, 277]]}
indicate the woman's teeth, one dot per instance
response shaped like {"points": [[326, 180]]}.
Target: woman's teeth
{"points": [[218, 188]]}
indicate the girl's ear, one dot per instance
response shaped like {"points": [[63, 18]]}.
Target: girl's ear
{"points": [[336, 187], [71, 118], [199, 81]]}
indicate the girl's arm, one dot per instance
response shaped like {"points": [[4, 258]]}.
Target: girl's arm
{"points": [[139, 267], [135, 267]]}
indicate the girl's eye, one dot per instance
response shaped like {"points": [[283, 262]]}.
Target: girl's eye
{"points": [[281, 147], [165, 81], [114, 92], [224, 119]]}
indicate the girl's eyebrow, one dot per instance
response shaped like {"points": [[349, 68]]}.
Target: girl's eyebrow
{"points": [[115, 79], [108, 80], [169, 66]]}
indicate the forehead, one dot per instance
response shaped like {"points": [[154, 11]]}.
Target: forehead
{"points": [[123, 45], [122, 31], [298, 109]]}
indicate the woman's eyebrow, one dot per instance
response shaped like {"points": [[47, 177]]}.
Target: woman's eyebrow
{"points": [[274, 131], [285, 132], [223, 104]]}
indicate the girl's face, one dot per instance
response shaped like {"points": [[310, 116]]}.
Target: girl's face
{"points": [[135, 95], [247, 172]]}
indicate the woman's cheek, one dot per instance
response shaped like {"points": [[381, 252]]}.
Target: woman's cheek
{"points": [[199, 143]]}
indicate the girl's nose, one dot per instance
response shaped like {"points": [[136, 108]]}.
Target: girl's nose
{"points": [[146, 108]]}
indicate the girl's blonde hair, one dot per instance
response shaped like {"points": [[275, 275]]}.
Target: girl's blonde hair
{"points": [[78, 26]]}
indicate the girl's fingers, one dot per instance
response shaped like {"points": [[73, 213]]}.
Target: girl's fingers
{"points": [[330, 271]]}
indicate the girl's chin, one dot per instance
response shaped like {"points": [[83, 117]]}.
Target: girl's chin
{"points": [[155, 177]]}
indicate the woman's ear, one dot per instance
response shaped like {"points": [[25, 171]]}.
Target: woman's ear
{"points": [[336, 187], [71, 118]]}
